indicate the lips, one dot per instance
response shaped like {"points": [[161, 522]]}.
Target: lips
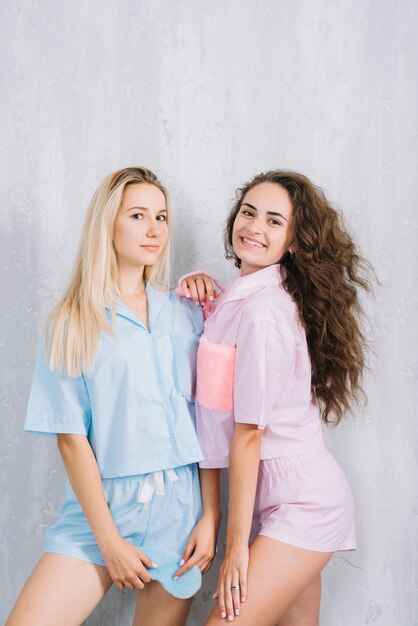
{"points": [[253, 243]]}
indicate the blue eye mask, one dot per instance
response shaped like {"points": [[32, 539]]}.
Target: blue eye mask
{"points": [[167, 561]]}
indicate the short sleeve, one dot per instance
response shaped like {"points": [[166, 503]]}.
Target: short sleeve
{"points": [[57, 402], [264, 362]]}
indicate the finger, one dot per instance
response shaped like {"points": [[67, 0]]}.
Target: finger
{"points": [[143, 574], [201, 289], [221, 600], [128, 585], [208, 287], [137, 583], [236, 600], [145, 560], [193, 292], [205, 566], [194, 560], [243, 590], [190, 548], [205, 561], [229, 604], [185, 289]]}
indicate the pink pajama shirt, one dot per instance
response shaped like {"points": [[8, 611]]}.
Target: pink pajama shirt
{"points": [[253, 367]]}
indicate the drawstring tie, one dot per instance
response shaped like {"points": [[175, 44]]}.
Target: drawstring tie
{"points": [[154, 483]]}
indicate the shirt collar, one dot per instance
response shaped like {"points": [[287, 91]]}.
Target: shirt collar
{"points": [[156, 301], [244, 286]]}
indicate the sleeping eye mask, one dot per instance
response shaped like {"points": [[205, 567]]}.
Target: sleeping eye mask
{"points": [[167, 562]]}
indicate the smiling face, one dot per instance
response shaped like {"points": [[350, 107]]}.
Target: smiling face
{"points": [[141, 229], [262, 232]]}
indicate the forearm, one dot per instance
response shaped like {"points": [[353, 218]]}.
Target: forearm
{"points": [[85, 479], [210, 489], [244, 460]]}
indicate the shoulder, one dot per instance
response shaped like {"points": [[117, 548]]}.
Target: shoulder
{"points": [[272, 305], [187, 311]]}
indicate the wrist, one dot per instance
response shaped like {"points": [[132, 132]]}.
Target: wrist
{"points": [[236, 541], [236, 550], [108, 541], [212, 514]]}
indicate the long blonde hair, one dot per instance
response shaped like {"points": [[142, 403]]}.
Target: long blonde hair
{"points": [[74, 325]]}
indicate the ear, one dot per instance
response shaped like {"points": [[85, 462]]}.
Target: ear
{"points": [[291, 249]]}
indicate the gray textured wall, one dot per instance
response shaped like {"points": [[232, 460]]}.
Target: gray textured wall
{"points": [[207, 94]]}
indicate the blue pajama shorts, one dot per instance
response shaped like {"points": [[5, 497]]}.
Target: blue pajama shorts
{"points": [[150, 510]]}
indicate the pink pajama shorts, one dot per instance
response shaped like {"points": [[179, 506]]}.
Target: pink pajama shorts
{"points": [[305, 501]]}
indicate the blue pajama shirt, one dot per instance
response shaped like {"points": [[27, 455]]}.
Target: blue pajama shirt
{"points": [[136, 407]]}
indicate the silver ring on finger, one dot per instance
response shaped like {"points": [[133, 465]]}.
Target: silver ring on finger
{"points": [[235, 587]]}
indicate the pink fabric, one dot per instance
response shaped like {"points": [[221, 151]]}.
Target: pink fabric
{"points": [[303, 497], [272, 377], [216, 364], [305, 501]]}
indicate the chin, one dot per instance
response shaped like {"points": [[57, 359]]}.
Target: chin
{"points": [[253, 259], [150, 257]]}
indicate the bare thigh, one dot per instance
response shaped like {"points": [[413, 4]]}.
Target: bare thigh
{"points": [[155, 606], [61, 590], [278, 574], [305, 611]]}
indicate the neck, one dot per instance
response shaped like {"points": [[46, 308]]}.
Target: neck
{"points": [[131, 280], [251, 269], [248, 269]]}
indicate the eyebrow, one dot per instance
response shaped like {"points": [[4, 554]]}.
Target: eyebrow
{"points": [[268, 212], [144, 208]]}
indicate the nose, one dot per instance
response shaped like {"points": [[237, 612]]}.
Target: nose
{"points": [[255, 228], [154, 230]]}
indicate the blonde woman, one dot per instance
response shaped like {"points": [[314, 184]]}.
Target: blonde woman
{"points": [[114, 384]]}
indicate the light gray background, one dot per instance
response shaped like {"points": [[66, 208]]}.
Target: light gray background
{"points": [[208, 94]]}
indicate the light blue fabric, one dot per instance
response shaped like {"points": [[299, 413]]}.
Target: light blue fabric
{"points": [[160, 528], [186, 585], [136, 406]]}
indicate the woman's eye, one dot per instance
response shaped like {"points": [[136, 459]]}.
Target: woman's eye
{"points": [[137, 216], [275, 222], [247, 213], [161, 218]]}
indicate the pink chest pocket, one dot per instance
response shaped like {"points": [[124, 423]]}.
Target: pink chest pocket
{"points": [[215, 375]]}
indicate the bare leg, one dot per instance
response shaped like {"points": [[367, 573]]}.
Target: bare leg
{"points": [[305, 611], [61, 590], [155, 606], [277, 577]]}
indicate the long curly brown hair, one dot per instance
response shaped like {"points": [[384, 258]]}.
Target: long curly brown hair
{"points": [[322, 276]]}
